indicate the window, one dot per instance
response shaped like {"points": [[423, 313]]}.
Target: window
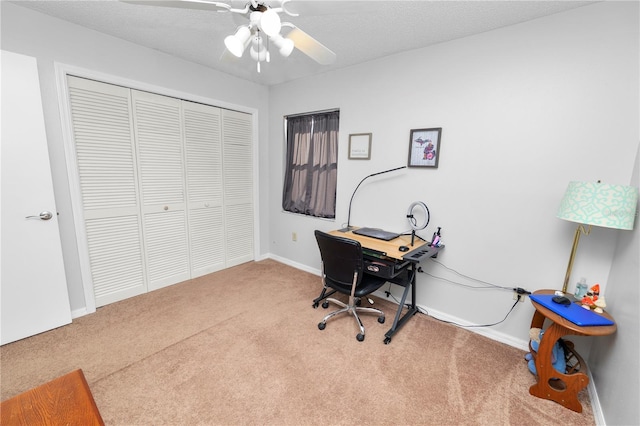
{"points": [[311, 164]]}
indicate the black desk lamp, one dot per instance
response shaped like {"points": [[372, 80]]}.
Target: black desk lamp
{"points": [[349, 227]]}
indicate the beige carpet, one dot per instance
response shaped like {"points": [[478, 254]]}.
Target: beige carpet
{"points": [[242, 347]]}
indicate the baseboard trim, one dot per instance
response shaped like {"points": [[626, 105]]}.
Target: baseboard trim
{"points": [[598, 415], [77, 313], [293, 264]]}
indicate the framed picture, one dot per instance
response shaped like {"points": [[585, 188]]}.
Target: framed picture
{"points": [[424, 147], [360, 146]]}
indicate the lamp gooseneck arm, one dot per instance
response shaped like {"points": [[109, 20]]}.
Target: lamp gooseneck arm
{"points": [[348, 227], [351, 200], [576, 239]]}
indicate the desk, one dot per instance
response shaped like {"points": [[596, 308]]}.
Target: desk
{"points": [[383, 258], [66, 400], [565, 390]]}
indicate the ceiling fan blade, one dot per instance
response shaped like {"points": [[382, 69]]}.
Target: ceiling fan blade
{"points": [[311, 47], [184, 4]]}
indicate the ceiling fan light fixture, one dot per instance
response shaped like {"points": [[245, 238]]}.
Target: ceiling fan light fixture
{"points": [[270, 23], [263, 20], [237, 43], [259, 54], [285, 46]]}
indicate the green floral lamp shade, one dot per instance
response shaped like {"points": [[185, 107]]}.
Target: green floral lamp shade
{"points": [[600, 204]]}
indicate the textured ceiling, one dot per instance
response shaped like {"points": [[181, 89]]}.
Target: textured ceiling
{"points": [[357, 31]]}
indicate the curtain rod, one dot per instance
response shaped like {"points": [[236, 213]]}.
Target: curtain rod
{"points": [[313, 112]]}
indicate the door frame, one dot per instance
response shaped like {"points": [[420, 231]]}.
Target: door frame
{"points": [[73, 175]]}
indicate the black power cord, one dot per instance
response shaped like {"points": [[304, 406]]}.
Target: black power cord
{"points": [[521, 293]]}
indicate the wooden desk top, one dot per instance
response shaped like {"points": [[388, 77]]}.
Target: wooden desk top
{"points": [[391, 248], [66, 400], [600, 330]]}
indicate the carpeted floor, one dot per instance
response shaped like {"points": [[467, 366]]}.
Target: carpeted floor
{"points": [[242, 347]]}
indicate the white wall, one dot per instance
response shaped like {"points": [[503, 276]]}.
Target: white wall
{"points": [[614, 359], [524, 110], [52, 40]]}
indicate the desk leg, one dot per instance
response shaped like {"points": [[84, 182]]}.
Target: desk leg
{"points": [[553, 385], [399, 322]]}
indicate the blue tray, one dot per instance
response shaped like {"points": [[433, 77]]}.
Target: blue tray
{"points": [[573, 312]]}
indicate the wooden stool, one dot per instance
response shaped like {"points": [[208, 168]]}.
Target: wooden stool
{"points": [[560, 387], [66, 400]]}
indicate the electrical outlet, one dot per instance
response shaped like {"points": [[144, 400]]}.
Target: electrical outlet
{"points": [[294, 236], [518, 297]]}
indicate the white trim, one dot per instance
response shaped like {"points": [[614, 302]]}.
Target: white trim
{"points": [[61, 71], [483, 331], [598, 415], [293, 264], [256, 189], [73, 176], [77, 313], [146, 87]]}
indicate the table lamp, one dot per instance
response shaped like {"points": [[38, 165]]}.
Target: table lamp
{"points": [[599, 204]]}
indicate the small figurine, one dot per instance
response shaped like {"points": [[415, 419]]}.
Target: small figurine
{"points": [[592, 300]]}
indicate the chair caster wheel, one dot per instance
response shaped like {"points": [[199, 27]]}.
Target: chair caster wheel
{"points": [[325, 305], [322, 325], [315, 305], [387, 340], [381, 320], [360, 337]]}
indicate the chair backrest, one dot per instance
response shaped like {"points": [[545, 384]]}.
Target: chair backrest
{"points": [[341, 257]]}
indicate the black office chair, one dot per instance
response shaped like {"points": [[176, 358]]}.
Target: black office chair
{"points": [[343, 271]]}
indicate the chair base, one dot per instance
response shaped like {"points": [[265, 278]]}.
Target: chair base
{"points": [[353, 308]]}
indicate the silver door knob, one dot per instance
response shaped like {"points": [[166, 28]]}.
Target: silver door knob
{"points": [[42, 216]]}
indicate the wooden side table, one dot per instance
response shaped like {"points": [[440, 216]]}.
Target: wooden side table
{"points": [[66, 401], [553, 385]]}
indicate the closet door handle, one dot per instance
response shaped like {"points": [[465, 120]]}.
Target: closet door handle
{"points": [[42, 216]]}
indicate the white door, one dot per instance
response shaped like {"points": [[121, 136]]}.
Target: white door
{"points": [[33, 293], [237, 163], [158, 134], [203, 165], [106, 161]]}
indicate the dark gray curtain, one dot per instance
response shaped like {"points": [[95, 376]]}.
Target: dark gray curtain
{"points": [[311, 164]]}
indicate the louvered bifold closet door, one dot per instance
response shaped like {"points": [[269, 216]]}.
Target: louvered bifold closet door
{"points": [[237, 160], [105, 153], [158, 129], [203, 148]]}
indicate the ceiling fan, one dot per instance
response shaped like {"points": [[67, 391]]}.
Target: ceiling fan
{"points": [[262, 31]]}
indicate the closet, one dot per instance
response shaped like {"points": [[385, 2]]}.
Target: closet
{"points": [[166, 187]]}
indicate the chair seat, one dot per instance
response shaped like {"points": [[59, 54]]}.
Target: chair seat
{"points": [[369, 284]]}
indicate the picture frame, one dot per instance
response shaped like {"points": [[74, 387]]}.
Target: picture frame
{"points": [[424, 147], [360, 146]]}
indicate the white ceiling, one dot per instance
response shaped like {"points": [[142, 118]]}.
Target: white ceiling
{"points": [[357, 31]]}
